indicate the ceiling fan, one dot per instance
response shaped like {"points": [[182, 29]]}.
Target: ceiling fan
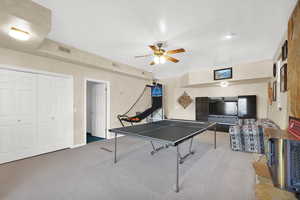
{"points": [[161, 55]]}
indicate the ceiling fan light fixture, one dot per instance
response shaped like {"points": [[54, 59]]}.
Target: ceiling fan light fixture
{"points": [[162, 60], [156, 60]]}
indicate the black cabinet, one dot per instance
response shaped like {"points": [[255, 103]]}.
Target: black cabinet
{"points": [[202, 108], [225, 110], [247, 106]]}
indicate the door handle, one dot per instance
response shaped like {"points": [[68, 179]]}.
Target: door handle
{"points": [[19, 120]]}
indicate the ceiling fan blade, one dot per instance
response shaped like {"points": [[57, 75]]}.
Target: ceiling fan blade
{"points": [[152, 63], [143, 56], [154, 48], [176, 51], [171, 59]]}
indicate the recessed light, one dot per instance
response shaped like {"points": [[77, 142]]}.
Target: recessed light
{"points": [[224, 84], [19, 34], [229, 36]]}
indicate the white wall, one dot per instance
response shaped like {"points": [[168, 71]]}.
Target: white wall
{"points": [[173, 91]]}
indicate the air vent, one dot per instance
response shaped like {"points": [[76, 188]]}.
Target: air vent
{"points": [[64, 49], [115, 65]]}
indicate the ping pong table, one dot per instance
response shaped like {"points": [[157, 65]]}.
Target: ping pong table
{"points": [[170, 132]]}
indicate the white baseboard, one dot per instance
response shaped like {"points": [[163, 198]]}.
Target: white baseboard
{"points": [[78, 145]]}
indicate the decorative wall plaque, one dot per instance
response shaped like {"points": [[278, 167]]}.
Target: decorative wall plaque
{"points": [[185, 100], [270, 93]]}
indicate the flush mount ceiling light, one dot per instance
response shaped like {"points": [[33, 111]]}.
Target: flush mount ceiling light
{"points": [[19, 34], [229, 36], [224, 84]]}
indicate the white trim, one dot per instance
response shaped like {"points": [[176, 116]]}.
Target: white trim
{"points": [[77, 145], [29, 70], [107, 83]]}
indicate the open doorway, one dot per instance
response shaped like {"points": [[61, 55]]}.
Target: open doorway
{"points": [[96, 111]]}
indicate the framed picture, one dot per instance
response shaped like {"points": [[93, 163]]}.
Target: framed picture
{"points": [[284, 51], [221, 74], [274, 90], [283, 78]]}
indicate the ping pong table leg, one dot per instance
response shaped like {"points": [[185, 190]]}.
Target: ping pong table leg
{"points": [[215, 136], [115, 160], [155, 150], [191, 144], [177, 168]]}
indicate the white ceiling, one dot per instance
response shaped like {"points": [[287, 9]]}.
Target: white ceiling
{"points": [[122, 29]]}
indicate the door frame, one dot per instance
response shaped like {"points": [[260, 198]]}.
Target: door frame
{"points": [[107, 83]]}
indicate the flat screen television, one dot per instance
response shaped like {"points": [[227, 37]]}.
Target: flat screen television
{"points": [[223, 108]]}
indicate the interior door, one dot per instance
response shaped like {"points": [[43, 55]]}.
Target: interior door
{"points": [[99, 110], [54, 113], [17, 115]]}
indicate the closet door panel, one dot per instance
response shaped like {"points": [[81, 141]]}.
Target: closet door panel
{"points": [[45, 135], [54, 120], [26, 130], [7, 94], [6, 142], [7, 112], [46, 127], [45, 98], [17, 115], [63, 111]]}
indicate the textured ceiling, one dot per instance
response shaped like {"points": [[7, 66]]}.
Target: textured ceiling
{"points": [[122, 29]]}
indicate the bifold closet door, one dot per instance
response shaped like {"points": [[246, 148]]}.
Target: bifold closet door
{"points": [[36, 114], [18, 124], [54, 113]]}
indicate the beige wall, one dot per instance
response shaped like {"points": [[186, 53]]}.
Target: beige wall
{"points": [[124, 89], [173, 91], [241, 72]]}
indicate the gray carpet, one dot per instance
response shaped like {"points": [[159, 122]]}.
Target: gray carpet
{"points": [[88, 173]]}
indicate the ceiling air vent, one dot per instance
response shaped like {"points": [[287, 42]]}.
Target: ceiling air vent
{"points": [[64, 49], [115, 65]]}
